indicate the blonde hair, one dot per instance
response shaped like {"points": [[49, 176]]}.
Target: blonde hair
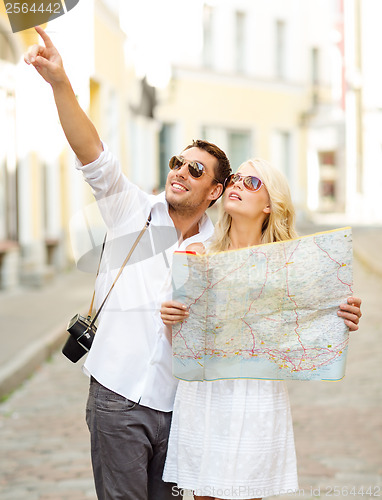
{"points": [[279, 225]]}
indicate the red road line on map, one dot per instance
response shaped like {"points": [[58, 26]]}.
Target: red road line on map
{"points": [[282, 356], [295, 303], [210, 286], [339, 265], [261, 291], [256, 298], [266, 279], [194, 355]]}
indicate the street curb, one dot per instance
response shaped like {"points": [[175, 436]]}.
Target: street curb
{"points": [[372, 267], [13, 373], [16, 370]]}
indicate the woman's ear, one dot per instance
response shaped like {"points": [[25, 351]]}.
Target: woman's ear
{"points": [[267, 209]]}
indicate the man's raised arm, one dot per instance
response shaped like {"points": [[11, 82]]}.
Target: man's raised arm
{"points": [[79, 130]]}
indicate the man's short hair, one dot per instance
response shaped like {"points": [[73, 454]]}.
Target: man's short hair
{"points": [[223, 168]]}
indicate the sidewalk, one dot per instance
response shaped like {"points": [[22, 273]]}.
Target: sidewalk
{"points": [[33, 324], [367, 248]]}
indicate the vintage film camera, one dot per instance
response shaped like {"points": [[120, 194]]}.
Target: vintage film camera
{"points": [[81, 337]]}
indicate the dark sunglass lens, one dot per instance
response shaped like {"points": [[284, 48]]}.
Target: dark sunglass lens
{"points": [[196, 169], [248, 183], [252, 183], [255, 183], [229, 181], [175, 163]]}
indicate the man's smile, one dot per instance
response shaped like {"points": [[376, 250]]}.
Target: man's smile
{"points": [[178, 187]]}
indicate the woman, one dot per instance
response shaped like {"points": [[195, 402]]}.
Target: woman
{"points": [[233, 438]]}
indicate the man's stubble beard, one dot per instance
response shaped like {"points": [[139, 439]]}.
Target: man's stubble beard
{"points": [[183, 208]]}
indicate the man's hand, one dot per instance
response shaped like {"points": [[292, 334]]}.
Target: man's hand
{"points": [[46, 59], [79, 130], [173, 312], [351, 313]]}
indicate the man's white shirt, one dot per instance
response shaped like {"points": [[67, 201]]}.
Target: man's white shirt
{"points": [[131, 354]]}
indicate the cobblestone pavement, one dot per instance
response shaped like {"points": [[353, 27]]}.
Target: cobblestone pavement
{"points": [[44, 439], [338, 431]]}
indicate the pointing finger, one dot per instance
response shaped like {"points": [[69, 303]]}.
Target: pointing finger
{"points": [[48, 42]]}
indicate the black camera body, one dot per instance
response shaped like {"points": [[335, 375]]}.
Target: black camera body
{"points": [[81, 337]]}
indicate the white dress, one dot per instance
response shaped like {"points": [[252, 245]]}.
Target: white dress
{"points": [[232, 439]]}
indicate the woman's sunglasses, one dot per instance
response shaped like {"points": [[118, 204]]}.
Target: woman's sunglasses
{"points": [[195, 168], [250, 182]]}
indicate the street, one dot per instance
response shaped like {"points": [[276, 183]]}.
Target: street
{"points": [[338, 431]]}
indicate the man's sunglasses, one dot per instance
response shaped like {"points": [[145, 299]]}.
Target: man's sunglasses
{"points": [[195, 168], [250, 182]]}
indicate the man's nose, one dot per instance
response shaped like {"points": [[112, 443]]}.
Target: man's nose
{"points": [[183, 170]]}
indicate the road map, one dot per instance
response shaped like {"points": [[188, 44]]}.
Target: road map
{"points": [[265, 312]]}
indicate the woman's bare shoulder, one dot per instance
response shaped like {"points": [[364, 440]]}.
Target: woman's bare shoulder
{"points": [[197, 248]]}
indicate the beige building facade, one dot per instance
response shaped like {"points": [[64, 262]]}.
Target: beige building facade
{"points": [[256, 74], [292, 81], [43, 198]]}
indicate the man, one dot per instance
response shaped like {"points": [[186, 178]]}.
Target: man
{"points": [[132, 388]]}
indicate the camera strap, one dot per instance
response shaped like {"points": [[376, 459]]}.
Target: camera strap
{"points": [[99, 265], [147, 223]]}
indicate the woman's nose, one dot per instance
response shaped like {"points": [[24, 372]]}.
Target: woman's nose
{"points": [[239, 183]]}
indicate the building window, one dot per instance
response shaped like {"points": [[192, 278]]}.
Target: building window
{"points": [[112, 121], [166, 150], [314, 73], [281, 157], [237, 144], [280, 49], [239, 148], [314, 68], [240, 41], [286, 154], [208, 32], [8, 157], [328, 180]]}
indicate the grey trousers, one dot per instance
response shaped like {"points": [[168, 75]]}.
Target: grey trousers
{"points": [[128, 447]]}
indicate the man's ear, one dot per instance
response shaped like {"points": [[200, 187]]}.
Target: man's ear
{"points": [[216, 191]]}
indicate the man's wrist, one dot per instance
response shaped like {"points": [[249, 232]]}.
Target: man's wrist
{"points": [[62, 89], [61, 82]]}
